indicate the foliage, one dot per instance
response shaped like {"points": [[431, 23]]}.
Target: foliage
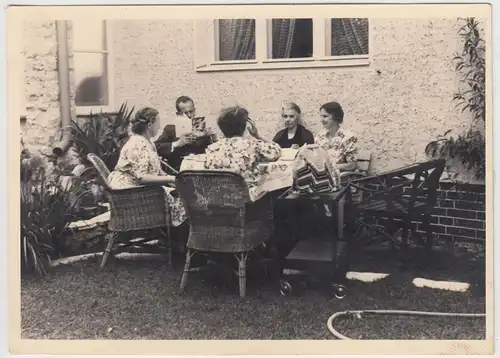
{"points": [[468, 148], [46, 211], [473, 66], [102, 134]]}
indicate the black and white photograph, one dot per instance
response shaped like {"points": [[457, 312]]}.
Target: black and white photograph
{"points": [[252, 172]]}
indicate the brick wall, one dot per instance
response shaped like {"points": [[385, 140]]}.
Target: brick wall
{"points": [[460, 213], [459, 217]]}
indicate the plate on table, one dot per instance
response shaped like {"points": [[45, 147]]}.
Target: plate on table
{"points": [[288, 154]]}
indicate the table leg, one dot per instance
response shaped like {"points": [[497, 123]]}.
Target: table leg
{"points": [[339, 254]]}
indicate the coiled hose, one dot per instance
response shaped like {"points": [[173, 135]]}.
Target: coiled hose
{"points": [[392, 312]]}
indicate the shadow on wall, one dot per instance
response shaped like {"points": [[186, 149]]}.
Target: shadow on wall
{"points": [[91, 92]]}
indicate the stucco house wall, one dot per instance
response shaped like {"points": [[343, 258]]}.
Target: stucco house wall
{"points": [[396, 105]]}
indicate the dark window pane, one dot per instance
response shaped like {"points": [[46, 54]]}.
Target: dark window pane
{"points": [[236, 39], [292, 38], [90, 71], [349, 37]]}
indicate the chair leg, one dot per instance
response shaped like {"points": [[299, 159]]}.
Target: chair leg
{"points": [[242, 272], [168, 244], [111, 238], [429, 243], [405, 235], [187, 265]]}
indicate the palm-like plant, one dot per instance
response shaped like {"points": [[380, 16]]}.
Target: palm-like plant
{"points": [[46, 211], [103, 135]]}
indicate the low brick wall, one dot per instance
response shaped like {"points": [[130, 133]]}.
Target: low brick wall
{"points": [[460, 215], [459, 218]]}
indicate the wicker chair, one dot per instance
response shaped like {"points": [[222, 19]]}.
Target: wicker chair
{"points": [[222, 218], [134, 211]]}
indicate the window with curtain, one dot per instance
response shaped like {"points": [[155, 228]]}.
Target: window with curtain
{"points": [[90, 62], [292, 38], [349, 37], [236, 39]]}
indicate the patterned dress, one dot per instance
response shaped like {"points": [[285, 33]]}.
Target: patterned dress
{"points": [[138, 157], [342, 147], [242, 155]]}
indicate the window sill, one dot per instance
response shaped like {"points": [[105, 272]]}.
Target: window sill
{"points": [[86, 111], [325, 62]]}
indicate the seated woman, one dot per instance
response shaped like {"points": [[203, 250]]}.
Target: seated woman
{"points": [[340, 144], [139, 163], [294, 134], [238, 154]]}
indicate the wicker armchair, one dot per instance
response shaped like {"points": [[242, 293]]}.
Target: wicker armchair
{"points": [[134, 211], [222, 218]]}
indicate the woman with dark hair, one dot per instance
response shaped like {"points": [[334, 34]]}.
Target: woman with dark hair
{"points": [[340, 144], [238, 154], [294, 134], [139, 163]]}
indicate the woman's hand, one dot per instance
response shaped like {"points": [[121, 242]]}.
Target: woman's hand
{"points": [[252, 129]]}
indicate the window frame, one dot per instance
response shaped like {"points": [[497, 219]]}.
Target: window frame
{"points": [[263, 32], [110, 107]]}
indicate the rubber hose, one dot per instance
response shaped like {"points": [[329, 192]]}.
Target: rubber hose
{"points": [[392, 312]]}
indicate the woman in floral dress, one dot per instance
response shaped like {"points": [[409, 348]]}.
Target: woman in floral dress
{"points": [[239, 154], [139, 163], [340, 144]]}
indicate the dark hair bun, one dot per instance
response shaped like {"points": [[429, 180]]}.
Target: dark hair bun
{"points": [[142, 119]]}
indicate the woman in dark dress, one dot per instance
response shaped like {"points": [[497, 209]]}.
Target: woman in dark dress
{"points": [[294, 134]]}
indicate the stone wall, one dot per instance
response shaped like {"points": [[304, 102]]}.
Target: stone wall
{"points": [[41, 128]]}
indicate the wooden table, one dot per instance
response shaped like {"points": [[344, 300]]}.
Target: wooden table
{"points": [[328, 253]]}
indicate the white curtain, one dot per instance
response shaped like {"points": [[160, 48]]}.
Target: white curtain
{"points": [[349, 37], [283, 33], [236, 39]]}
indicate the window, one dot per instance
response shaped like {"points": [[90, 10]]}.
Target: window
{"points": [[236, 40], [91, 65], [240, 44], [348, 37]]}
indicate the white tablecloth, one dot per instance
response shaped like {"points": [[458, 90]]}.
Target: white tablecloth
{"points": [[275, 175]]}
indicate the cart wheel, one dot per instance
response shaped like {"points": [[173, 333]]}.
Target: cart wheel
{"points": [[285, 288], [340, 291]]}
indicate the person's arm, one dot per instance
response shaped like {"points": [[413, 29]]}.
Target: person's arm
{"points": [[347, 167], [277, 137], [308, 137], [350, 155], [150, 179], [168, 142], [165, 143]]}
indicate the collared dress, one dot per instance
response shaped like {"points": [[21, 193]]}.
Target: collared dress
{"points": [[138, 158], [242, 155], [342, 147]]}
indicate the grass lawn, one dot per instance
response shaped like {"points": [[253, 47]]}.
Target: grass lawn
{"points": [[140, 300]]}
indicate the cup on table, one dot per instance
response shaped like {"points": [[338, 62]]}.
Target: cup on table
{"points": [[295, 146]]}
